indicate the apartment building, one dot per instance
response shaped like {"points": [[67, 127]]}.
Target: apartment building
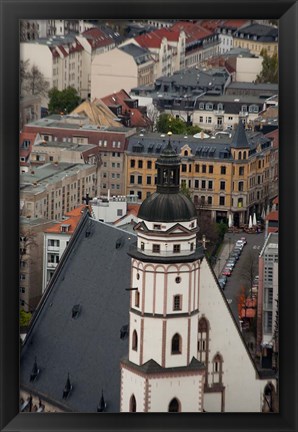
{"points": [[51, 190], [111, 142], [267, 315], [200, 43], [55, 241], [121, 68], [257, 37], [167, 47], [227, 174]]}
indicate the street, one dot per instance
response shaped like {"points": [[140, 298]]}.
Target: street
{"points": [[254, 245]]}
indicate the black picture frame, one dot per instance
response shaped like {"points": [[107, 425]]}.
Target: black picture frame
{"points": [[11, 12]]}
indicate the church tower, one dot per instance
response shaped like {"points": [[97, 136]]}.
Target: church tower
{"points": [[162, 373]]}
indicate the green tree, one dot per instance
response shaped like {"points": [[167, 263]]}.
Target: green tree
{"points": [[25, 318], [64, 101], [185, 190], [269, 72], [168, 123]]}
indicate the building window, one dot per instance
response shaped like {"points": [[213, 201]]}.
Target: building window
{"points": [[241, 170], [178, 279], [176, 344], [210, 184], [132, 179], [210, 169], [140, 164], [132, 404], [177, 303], [203, 184], [156, 248], [197, 168], [240, 186], [148, 180], [223, 170], [137, 299], [183, 167], [142, 246], [174, 406], [203, 340], [134, 340], [139, 179], [156, 226], [149, 164], [217, 369], [209, 200], [176, 248], [132, 163], [222, 200], [203, 168], [222, 185]]}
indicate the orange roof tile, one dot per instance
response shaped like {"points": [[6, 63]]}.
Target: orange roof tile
{"points": [[73, 218]]}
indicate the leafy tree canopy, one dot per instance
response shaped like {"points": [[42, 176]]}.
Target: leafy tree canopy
{"points": [[269, 72], [25, 318], [167, 123], [64, 101]]}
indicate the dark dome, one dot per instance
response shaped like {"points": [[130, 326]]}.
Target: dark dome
{"points": [[164, 207]]}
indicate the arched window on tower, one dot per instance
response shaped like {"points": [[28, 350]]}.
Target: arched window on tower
{"points": [[176, 344], [134, 340], [217, 369], [203, 340], [132, 404], [174, 405], [269, 398], [240, 155]]}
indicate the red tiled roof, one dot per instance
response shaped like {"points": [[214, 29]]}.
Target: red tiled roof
{"points": [[153, 39], [193, 31], [73, 218], [235, 23], [97, 38], [137, 118]]}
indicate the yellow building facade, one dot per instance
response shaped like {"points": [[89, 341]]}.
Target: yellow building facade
{"points": [[223, 176]]}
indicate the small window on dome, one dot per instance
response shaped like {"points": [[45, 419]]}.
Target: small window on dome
{"points": [[178, 279], [156, 226]]}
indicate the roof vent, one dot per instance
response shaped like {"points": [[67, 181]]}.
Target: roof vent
{"points": [[67, 389], [102, 404], [119, 243], [124, 331], [75, 312], [35, 371]]}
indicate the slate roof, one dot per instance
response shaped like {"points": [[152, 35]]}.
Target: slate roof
{"points": [[218, 147], [92, 273], [264, 33], [151, 367], [240, 138], [140, 55]]}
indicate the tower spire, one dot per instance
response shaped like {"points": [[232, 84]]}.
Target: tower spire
{"points": [[168, 170]]}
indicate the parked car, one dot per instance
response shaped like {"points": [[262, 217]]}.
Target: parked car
{"points": [[235, 254], [237, 249], [226, 272], [232, 260], [230, 264], [239, 243], [222, 280], [243, 239]]}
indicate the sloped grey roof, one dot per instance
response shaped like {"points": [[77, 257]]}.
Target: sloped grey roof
{"points": [[240, 138], [151, 367], [94, 274]]}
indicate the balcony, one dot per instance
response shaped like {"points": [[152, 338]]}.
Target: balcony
{"points": [[53, 249], [218, 112]]}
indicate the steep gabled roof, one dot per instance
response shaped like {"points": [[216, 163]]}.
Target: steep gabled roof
{"points": [[94, 273], [240, 139], [97, 112]]}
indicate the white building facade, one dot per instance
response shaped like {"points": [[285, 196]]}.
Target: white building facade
{"points": [[186, 351]]}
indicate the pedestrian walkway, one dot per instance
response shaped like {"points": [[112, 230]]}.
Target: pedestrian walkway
{"points": [[226, 248]]}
